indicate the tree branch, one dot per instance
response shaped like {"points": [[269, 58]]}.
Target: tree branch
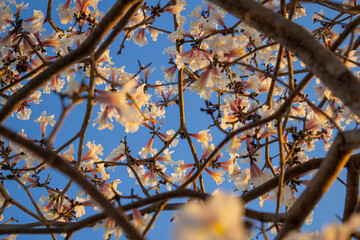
{"points": [[331, 166], [57, 162], [352, 190], [320, 60], [85, 49]]}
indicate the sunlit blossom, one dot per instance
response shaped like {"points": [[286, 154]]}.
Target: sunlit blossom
{"points": [[34, 23], [139, 38], [44, 121], [148, 149], [203, 137], [93, 152], [217, 176]]}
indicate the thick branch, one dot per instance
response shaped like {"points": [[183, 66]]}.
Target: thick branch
{"points": [[61, 227], [352, 190], [57, 162], [274, 182], [292, 173], [117, 30], [320, 60], [331, 166], [85, 49]]}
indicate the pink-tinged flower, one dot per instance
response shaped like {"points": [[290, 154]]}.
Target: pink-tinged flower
{"points": [[115, 99], [94, 151], [249, 146], [312, 125], [287, 197], [113, 76], [28, 44], [203, 137], [98, 169], [139, 38], [255, 171], [147, 72], [56, 83], [267, 133], [5, 40], [27, 179], [228, 165], [20, 7], [140, 96], [148, 149], [137, 18], [118, 154], [263, 88], [166, 177], [82, 5], [298, 110], [147, 125], [236, 105], [309, 144], [68, 154], [118, 100], [23, 113], [52, 42], [219, 218], [258, 177], [149, 178], [49, 206], [90, 168], [166, 158], [35, 62], [219, 18], [208, 29], [218, 156], [203, 81], [248, 84], [170, 73], [103, 116], [318, 115], [217, 176], [35, 98], [154, 33], [88, 203], [34, 23], [66, 5], [207, 54], [140, 221], [174, 9], [184, 167], [165, 137], [216, 75], [44, 121], [207, 151], [235, 53], [110, 189], [188, 175], [234, 145], [240, 178], [110, 227]]}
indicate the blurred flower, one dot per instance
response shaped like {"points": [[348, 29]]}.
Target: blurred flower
{"points": [[148, 149], [219, 218]]}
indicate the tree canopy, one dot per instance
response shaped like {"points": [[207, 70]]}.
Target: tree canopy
{"points": [[236, 116]]}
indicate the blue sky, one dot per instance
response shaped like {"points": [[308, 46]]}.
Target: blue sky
{"points": [[326, 211]]}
